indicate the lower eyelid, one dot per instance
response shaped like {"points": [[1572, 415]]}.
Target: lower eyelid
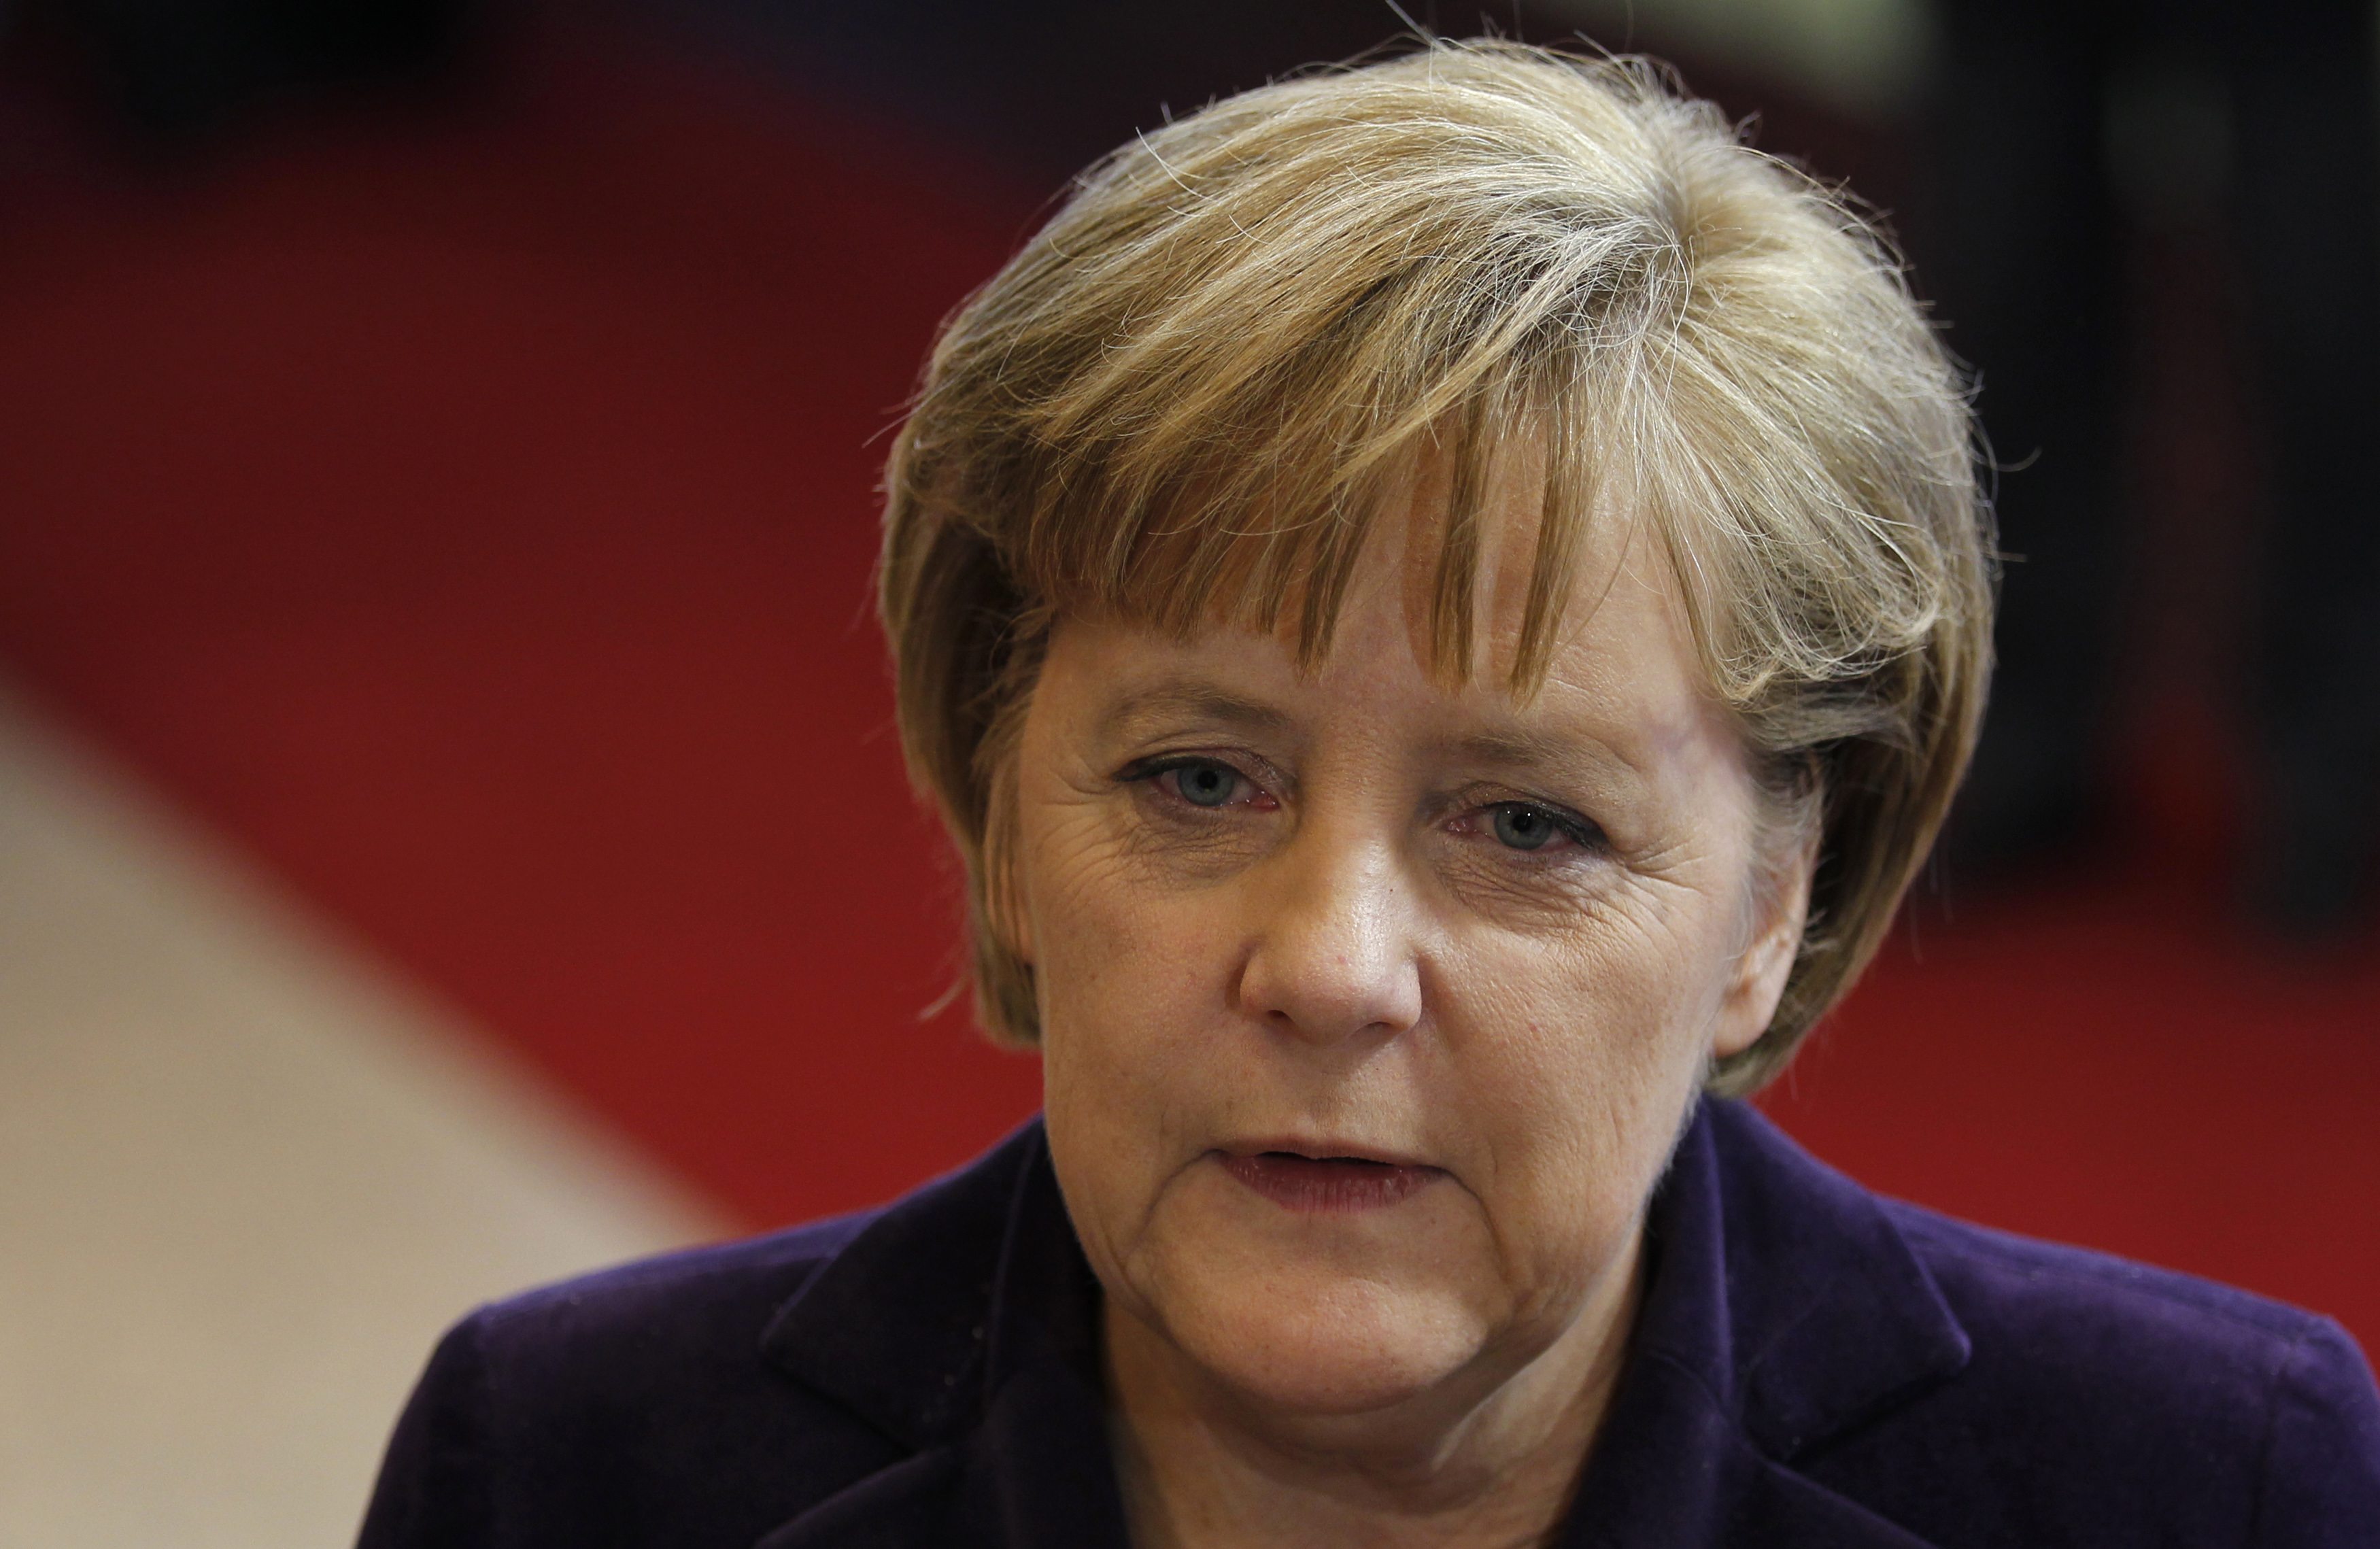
{"points": [[1586, 838], [1250, 794]]}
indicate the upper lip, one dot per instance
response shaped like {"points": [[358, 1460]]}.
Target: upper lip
{"points": [[1321, 1150]]}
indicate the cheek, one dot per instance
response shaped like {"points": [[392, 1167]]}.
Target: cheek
{"points": [[1574, 1060], [1117, 959], [1131, 978]]}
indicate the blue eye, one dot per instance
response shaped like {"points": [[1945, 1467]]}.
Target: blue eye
{"points": [[1205, 785], [1524, 827]]}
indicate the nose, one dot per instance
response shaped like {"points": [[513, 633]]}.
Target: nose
{"points": [[1333, 957]]}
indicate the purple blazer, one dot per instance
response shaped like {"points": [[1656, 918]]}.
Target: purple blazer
{"points": [[1813, 1365]]}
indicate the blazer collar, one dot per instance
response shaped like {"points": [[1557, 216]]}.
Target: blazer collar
{"points": [[1787, 1288], [1784, 1308], [963, 1324], [894, 1326]]}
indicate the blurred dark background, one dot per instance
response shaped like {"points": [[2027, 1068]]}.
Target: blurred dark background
{"points": [[440, 442]]}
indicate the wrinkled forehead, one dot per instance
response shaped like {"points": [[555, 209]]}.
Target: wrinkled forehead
{"points": [[1489, 568]]}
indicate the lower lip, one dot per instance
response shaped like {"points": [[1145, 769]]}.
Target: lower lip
{"points": [[1328, 1187]]}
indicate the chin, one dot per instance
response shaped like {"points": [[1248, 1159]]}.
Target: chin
{"points": [[1333, 1346]]}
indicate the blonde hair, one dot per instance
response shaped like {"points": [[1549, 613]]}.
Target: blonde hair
{"points": [[1185, 399]]}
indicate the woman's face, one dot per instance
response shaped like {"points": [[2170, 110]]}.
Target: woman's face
{"points": [[1371, 1006]]}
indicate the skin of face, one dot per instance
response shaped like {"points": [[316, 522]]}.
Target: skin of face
{"points": [[1369, 911]]}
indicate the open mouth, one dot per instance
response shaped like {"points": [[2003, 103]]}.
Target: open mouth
{"points": [[1335, 1185]]}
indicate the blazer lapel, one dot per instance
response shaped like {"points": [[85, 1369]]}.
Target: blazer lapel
{"points": [[1674, 1467], [893, 1326], [1040, 1465], [962, 1323], [898, 1507], [1784, 1308]]}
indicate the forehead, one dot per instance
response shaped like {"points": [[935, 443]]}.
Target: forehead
{"points": [[1480, 510], [1621, 676]]}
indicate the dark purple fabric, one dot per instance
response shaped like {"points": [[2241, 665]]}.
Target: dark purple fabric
{"points": [[1813, 1366]]}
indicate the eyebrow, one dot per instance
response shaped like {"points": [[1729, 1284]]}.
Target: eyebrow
{"points": [[1526, 749], [1516, 747], [1192, 701]]}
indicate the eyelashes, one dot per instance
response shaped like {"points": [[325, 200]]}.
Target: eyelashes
{"points": [[1532, 827], [1200, 782], [1199, 785]]}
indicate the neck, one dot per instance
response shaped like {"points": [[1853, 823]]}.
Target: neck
{"points": [[1488, 1456]]}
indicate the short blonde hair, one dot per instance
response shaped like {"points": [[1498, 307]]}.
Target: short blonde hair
{"points": [[1185, 398]]}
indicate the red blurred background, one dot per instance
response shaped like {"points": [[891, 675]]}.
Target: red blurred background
{"points": [[462, 495]]}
